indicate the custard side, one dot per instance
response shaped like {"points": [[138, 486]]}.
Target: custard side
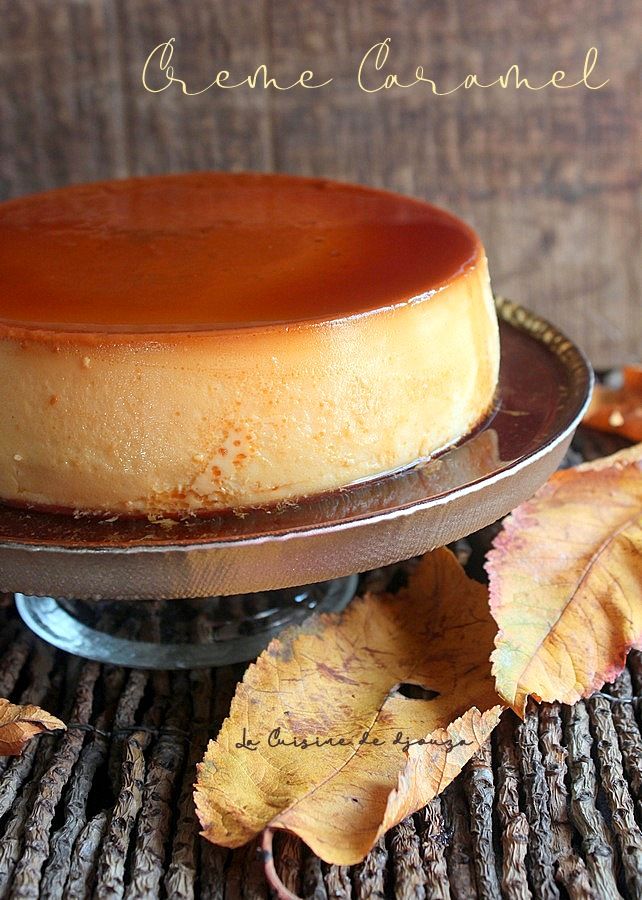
{"points": [[196, 422]]}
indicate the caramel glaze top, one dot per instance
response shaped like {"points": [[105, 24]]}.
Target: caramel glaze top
{"points": [[210, 251]]}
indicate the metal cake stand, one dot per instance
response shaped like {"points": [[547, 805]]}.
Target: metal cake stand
{"points": [[248, 565]]}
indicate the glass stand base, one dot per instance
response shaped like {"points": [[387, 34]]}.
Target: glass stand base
{"points": [[178, 634]]}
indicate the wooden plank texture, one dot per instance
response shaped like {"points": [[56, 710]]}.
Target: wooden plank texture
{"points": [[551, 179]]}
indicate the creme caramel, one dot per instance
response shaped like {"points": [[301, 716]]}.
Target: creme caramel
{"points": [[186, 343]]}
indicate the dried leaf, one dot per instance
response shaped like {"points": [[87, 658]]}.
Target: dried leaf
{"points": [[333, 682], [18, 724], [618, 411], [566, 583]]}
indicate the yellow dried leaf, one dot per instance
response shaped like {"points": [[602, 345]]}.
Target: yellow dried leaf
{"points": [[566, 583], [333, 683], [18, 724]]}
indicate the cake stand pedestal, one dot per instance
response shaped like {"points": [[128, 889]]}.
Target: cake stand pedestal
{"points": [[213, 591], [210, 631]]}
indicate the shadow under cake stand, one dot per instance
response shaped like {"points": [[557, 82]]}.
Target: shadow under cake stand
{"points": [[213, 591]]}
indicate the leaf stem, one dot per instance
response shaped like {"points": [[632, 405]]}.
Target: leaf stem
{"points": [[271, 874]]}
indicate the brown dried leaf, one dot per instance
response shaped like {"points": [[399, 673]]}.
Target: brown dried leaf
{"points": [[336, 679], [566, 583], [618, 411], [18, 724]]}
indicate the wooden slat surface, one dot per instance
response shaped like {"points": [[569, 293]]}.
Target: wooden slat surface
{"points": [[550, 179]]}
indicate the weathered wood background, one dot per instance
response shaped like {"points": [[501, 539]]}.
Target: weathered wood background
{"points": [[550, 179]]}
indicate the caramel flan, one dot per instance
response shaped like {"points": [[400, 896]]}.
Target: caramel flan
{"points": [[188, 343]]}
